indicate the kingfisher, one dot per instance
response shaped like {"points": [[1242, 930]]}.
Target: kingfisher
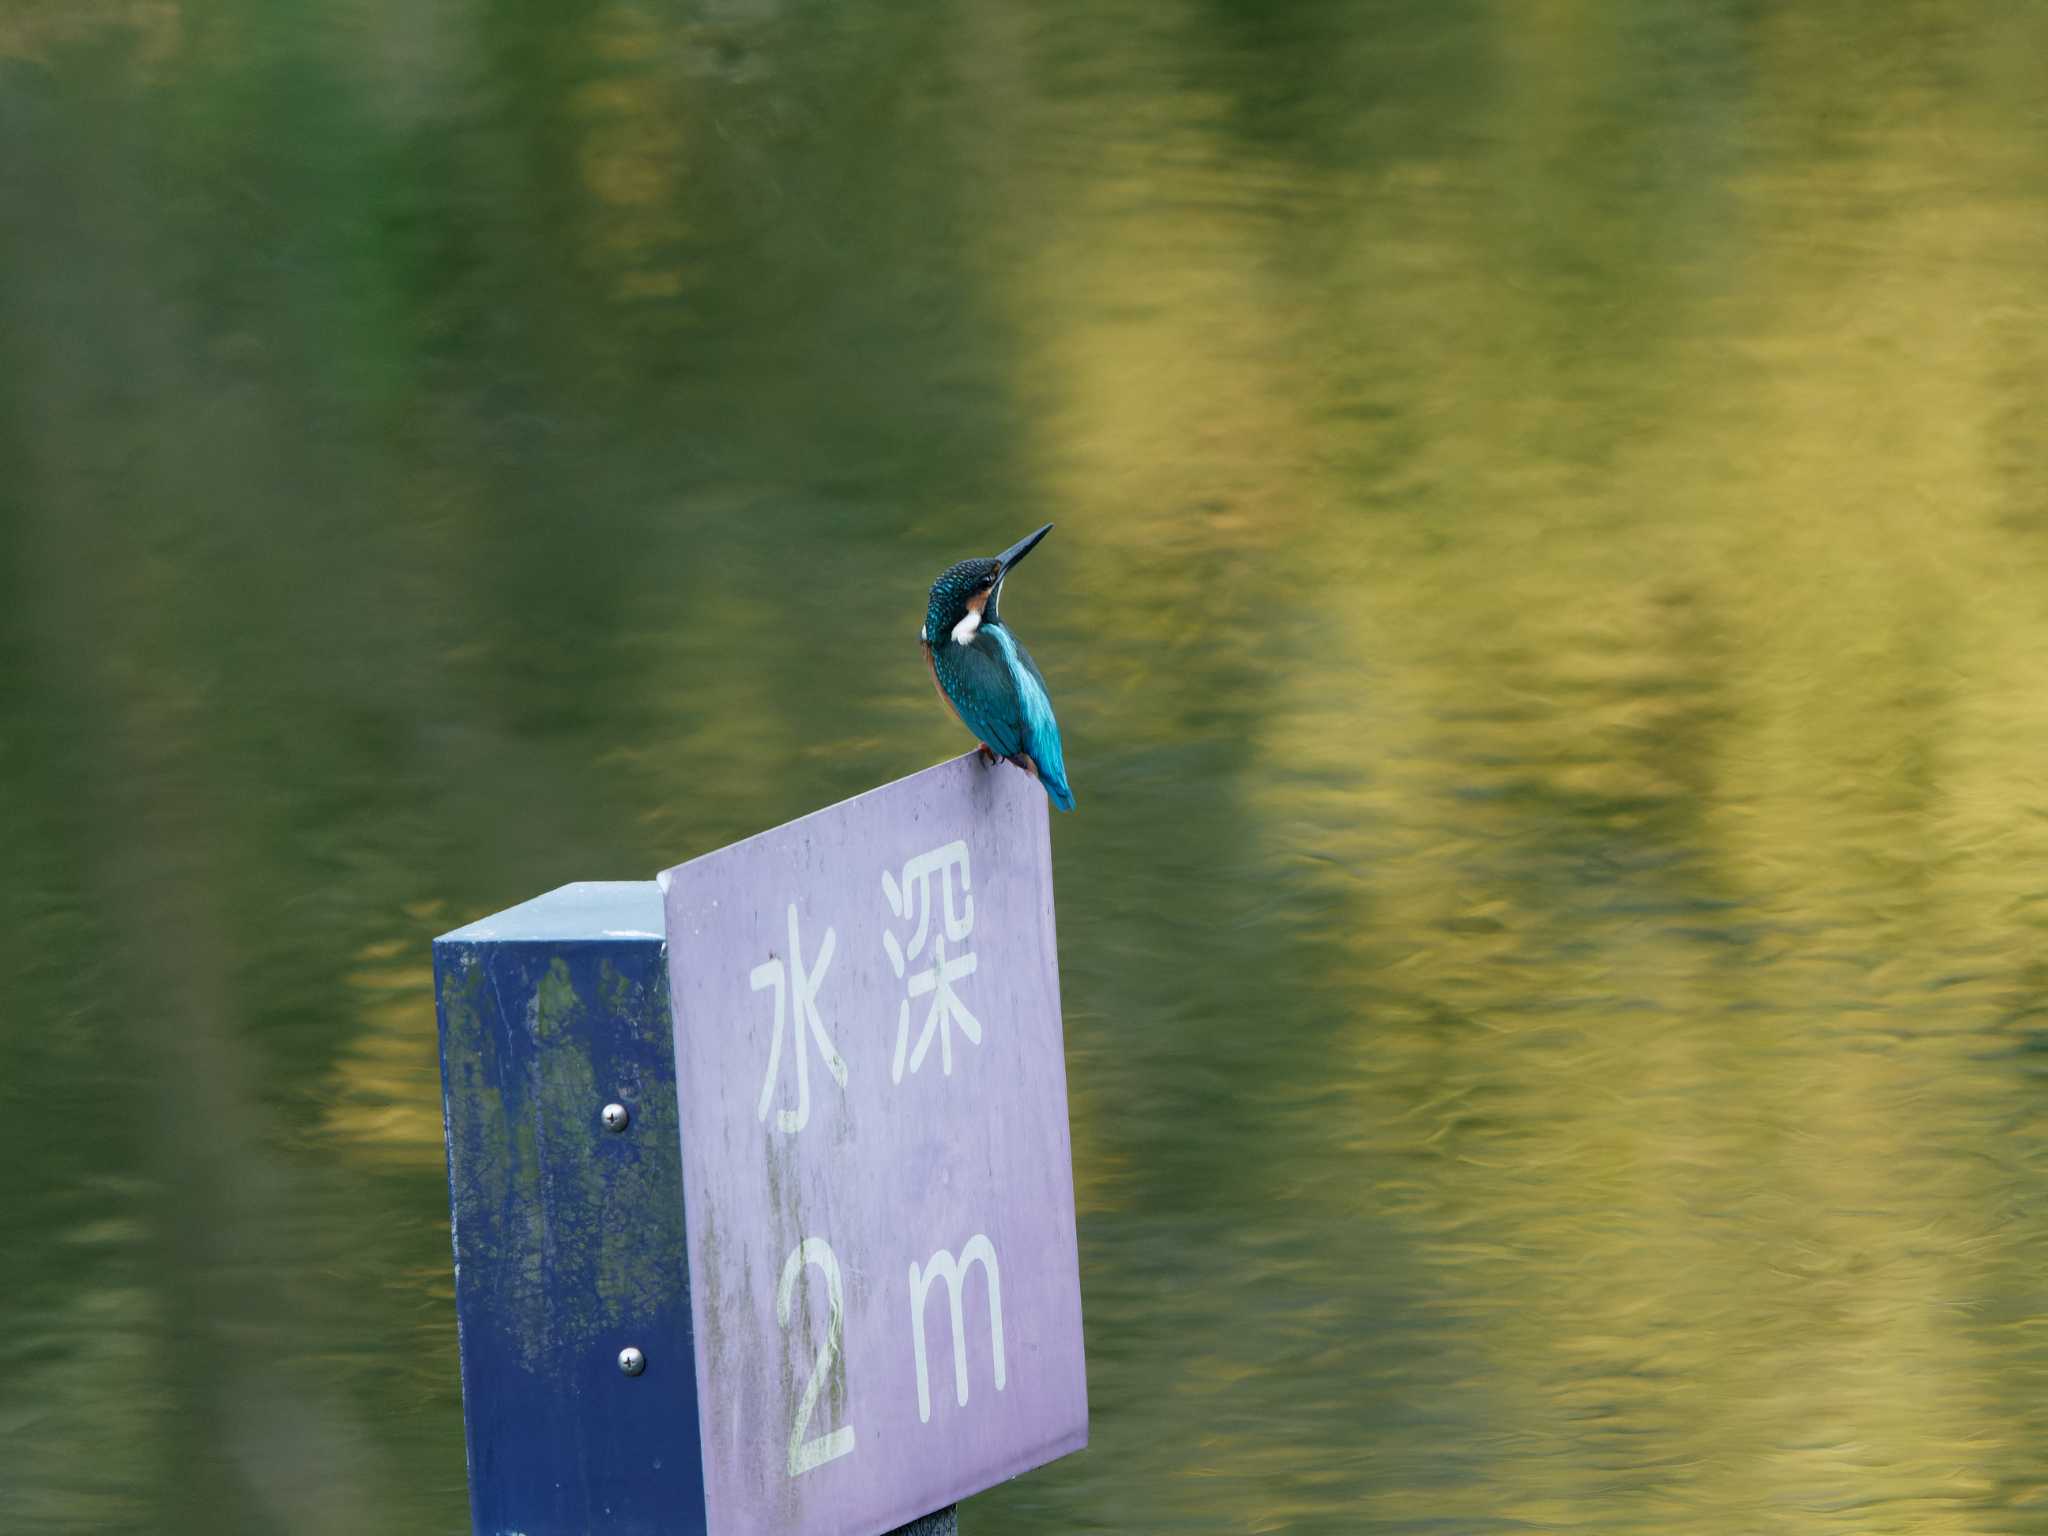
{"points": [[984, 673]]}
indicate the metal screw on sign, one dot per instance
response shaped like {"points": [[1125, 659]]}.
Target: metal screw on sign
{"points": [[631, 1361], [615, 1117]]}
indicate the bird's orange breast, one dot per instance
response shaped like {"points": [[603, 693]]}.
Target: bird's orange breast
{"points": [[931, 665]]}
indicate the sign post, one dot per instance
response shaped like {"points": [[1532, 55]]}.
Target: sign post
{"points": [[565, 1193], [759, 1175], [877, 1182]]}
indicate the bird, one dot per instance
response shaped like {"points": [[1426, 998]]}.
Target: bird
{"points": [[984, 673]]}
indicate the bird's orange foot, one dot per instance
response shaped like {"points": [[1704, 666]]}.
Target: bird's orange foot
{"points": [[988, 753]]}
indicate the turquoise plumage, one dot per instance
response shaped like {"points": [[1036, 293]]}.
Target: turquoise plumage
{"points": [[984, 673]]}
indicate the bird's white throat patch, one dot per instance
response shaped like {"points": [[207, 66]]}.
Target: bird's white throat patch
{"points": [[964, 630]]}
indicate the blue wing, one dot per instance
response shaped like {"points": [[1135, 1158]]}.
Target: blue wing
{"points": [[983, 694], [995, 687], [1041, 731]]}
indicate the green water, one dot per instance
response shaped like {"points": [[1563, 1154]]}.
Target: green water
{"points": [[1549, 609]]}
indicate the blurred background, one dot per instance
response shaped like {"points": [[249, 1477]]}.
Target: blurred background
{"points": [[1549, 610]]}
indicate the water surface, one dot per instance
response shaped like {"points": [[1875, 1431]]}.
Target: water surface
{"points": [[1549, 607]]}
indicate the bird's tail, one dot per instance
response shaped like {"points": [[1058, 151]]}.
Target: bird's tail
{"points": [[1056, 789], [1051, 764]]}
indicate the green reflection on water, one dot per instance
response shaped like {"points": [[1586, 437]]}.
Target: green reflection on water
{"points": [[1547, 608]]}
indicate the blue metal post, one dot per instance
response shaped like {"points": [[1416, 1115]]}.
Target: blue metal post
{"points": [[565, 1187], [569, 1233]]}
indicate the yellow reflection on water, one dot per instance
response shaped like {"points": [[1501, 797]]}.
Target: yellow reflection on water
{"points": [[1652, 570], [383, 1103]]}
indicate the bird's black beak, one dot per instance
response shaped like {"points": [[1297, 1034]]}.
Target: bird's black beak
{"points": [[1018, 551]]}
